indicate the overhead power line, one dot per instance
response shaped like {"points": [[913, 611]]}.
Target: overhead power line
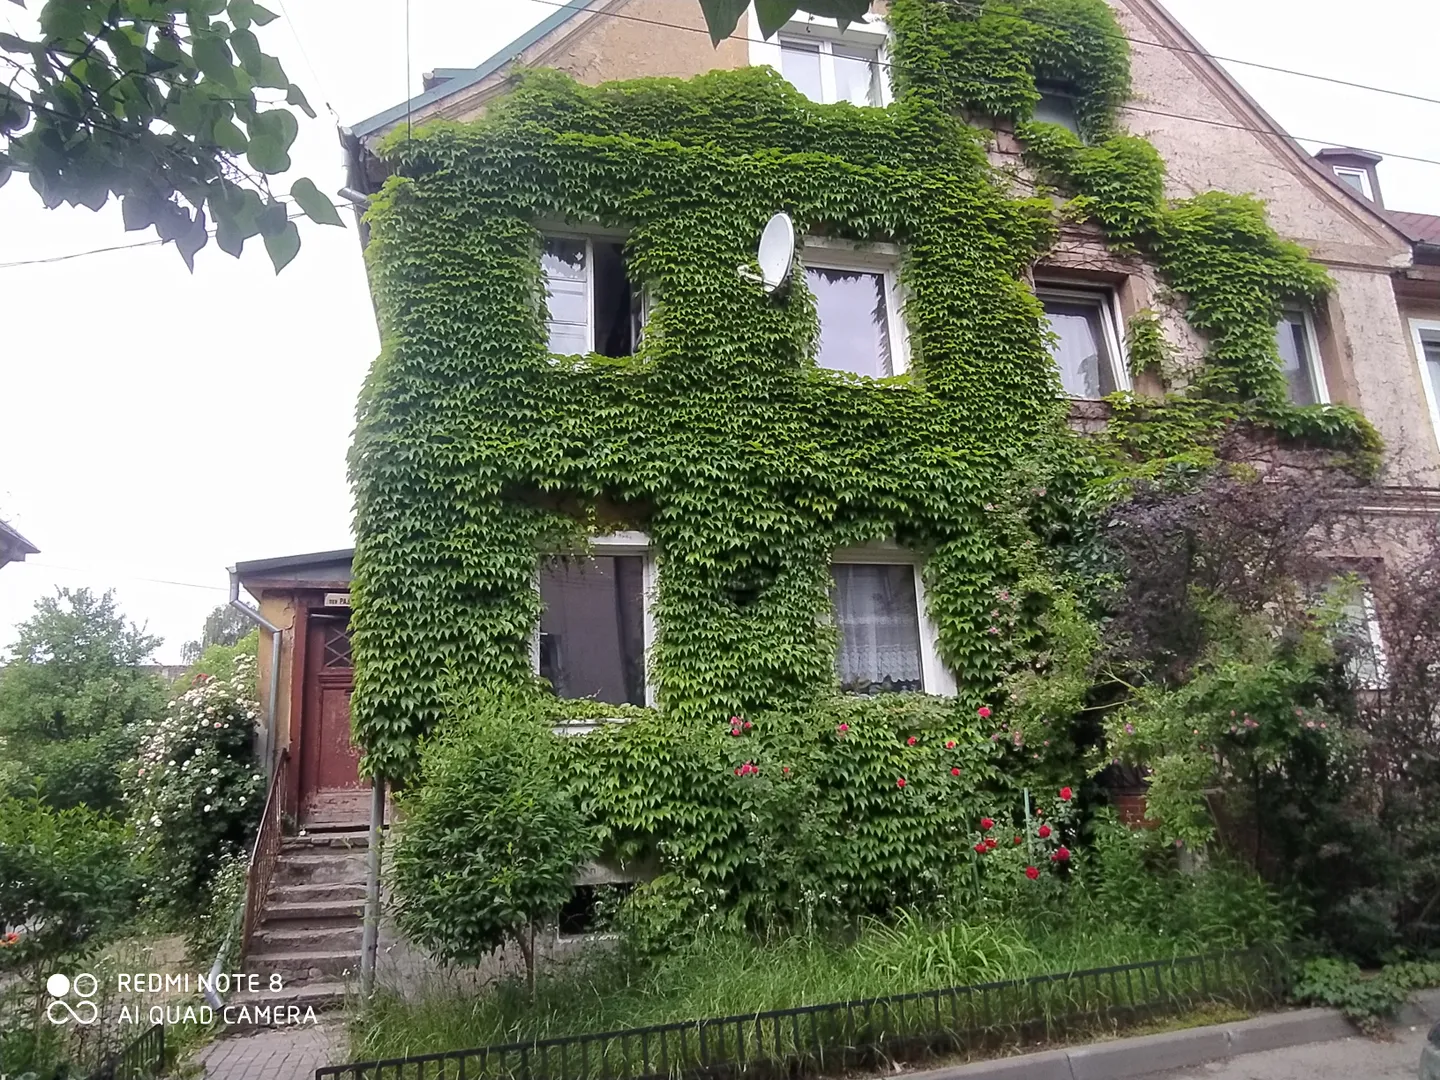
{"points": [[93, 573], [1127, 107]]}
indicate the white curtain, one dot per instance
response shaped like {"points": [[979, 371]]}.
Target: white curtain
{"points": [[879, 622]]}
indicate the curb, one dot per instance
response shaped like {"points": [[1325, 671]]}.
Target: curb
{"points": [[1145, 1054]]}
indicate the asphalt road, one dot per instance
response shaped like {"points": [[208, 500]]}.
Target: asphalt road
{"points": [[1344, 1059]]}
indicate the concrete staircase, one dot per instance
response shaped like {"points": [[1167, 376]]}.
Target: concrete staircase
{"points": [[314, 916]]}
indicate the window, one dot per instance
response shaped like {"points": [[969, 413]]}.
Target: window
{"points": [[1358, 179], [827, 71], [1357, 632], [857, 301], [595, 625], [1426, 335], [887, 642], [1057, 107], [1085, 345], [591, 304], [1300, 358]]}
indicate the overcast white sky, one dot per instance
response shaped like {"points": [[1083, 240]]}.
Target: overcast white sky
{"points": [[157, 427]]}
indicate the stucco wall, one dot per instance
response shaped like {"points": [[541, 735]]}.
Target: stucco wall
{"points": [[279, 609]]}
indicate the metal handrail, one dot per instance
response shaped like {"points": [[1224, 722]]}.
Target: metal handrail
{"points": [[265, 852]]}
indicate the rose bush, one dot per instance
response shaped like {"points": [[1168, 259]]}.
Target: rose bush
{"points": [[196, 789]]}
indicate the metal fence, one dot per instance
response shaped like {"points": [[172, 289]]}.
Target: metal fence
{"points": [[141, 1059], [828, 1038], [265, 852]]}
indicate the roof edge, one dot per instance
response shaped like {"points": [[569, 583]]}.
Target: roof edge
{"points": [[381, 120], [292, 562], [18, 541]]}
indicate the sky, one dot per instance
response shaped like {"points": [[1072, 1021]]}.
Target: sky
{"points": [[157, 426]]}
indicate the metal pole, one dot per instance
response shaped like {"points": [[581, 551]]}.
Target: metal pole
{"points": [[277, 636], [370, 937]]}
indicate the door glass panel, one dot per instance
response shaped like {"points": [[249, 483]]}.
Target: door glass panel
{"points": [[854, 320], [592, 631], [800, 64], [1079, 346], [879, 620], [856, 75], [1295, 359], [567, 294]]}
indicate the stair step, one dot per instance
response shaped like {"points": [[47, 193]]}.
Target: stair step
{"points": [[323, 912], [320, 996], [321, 867], [299, 966], [317, 891], [351, 839], [286, 938]]}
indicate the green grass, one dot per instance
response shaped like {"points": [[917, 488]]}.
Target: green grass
{"points": [[735, 975]]}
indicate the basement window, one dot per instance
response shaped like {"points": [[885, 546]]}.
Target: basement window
{"points": [[593, 629], [1084, 341], [591, 304], [591, 909], [1300, 358]]}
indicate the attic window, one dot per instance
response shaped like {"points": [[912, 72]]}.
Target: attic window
{"points": [[1358, 179], [591, 304]]}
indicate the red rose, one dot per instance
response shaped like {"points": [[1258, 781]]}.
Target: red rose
{"points": [[950, 745], [911, 741], [1032, 872], [981, 848], [900, 782], [786, 770], [1019, 840], [735, 720], [955, 771], [748, 725], [1044, 832], [990, 844], [1065, 794], [986, 824], [842, 728], [983, 712], [1061, 854]]}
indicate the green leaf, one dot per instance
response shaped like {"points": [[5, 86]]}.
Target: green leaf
{"points": [[247, 49], [773, 14], [245, 12], [137, 212], [212, 57], [193, 240], [295, 96], [312, 200], [271, 73], [722, 16], [283, 245], [11, 43], [206, 8], [5, 169], [279, 124], [266, 155], [229, 137]]}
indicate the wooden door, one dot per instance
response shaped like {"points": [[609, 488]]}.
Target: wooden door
{"points": [[332, 794]]}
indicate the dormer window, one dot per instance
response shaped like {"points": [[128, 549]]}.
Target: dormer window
{"points": [[1358, 179]]}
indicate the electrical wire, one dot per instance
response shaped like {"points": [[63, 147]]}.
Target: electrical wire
{"points": [[120, 577], [1127, 107], [305, 55]]}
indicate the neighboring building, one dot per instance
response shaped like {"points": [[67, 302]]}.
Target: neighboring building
{"points": [[597, 628], [13, 546]]}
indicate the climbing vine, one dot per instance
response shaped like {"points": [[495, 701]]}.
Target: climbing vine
{"points": [[745, 463]]}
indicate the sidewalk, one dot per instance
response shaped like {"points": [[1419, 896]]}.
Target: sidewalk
{"points": [[292, 1053]]}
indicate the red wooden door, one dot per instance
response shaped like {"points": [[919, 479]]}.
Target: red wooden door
{"points": [[332, 794]]}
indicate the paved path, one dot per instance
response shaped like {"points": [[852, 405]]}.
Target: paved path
{"points": [[1355, 1058], [291, 1053]]}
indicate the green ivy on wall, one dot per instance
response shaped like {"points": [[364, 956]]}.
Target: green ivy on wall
{"points": [[476, 450]]}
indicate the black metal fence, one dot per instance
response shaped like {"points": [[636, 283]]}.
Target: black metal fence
{"points": [[829, 1038], [141, 1059]]}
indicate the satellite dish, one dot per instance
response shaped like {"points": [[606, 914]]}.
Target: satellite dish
{"points": [[777, 254]]}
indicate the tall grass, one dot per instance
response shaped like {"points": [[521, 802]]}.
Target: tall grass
{"points": [[722, 975]]}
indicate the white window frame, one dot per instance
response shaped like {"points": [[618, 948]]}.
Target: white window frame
{"points": [[937, 678], [1342, 171], [1419, 328], [1079, 293], [589, 236], [1312, 346], [824, 253], [629, 542], [872, 32], [1377, 639]]}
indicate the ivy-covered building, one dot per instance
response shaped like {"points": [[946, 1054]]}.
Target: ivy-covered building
{"points": [[1043, 248]]}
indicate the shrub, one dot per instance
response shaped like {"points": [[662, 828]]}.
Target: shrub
{"points": [[196, 790], [493, 836]]}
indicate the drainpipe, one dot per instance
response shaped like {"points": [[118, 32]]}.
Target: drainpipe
{"points": [[371, 936], [276, 637]]}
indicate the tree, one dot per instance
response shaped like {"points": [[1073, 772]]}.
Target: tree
{"points": [[493, 838], [71, 697], [722, 16], [158, 103], [223, 626]]}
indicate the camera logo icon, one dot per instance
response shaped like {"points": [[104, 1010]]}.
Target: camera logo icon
{"points": [[85, 987]]}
